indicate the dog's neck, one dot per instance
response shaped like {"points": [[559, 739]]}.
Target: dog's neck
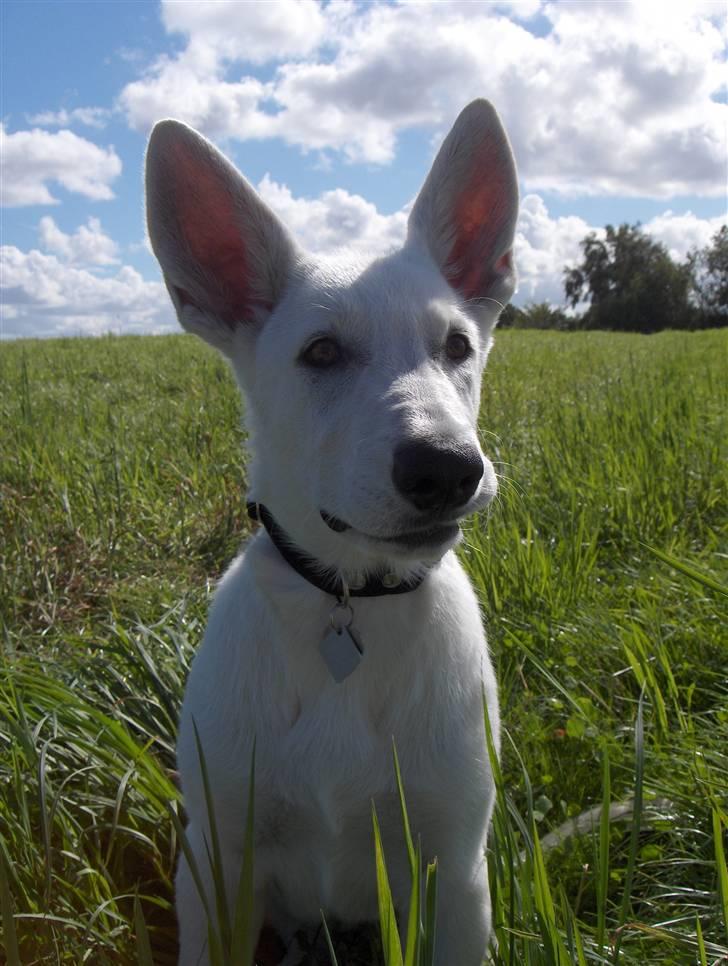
{"points": [[324, 578]]}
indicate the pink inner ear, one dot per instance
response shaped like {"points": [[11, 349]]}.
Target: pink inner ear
{"points": [[209, 222], [480, 214], [504, 263]]}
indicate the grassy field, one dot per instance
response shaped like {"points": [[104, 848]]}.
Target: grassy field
{"points": [[122, 483]]}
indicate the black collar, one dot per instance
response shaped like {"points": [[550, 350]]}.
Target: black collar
{"points": [[374, 586]]}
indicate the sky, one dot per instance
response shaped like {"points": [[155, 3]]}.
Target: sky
{"points": [[617, 112]]}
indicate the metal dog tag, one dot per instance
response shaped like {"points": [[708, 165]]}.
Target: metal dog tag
{"points": [[341, 648]]}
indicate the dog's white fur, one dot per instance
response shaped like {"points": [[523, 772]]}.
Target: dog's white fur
{"points": [[324, 440]]}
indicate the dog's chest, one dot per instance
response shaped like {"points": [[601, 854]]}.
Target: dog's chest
{"points": [[315, 826], [335, 737], [324, 750]]}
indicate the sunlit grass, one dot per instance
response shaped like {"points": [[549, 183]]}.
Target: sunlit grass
{"points": [[602, 571]]}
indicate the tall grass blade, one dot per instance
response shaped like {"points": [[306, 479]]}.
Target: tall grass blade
{"points": [[702, 953], [411, 955], [405, 818], [215, 857], [243, 940], [602, 882], [503, 883], [414, 923], [387, 919], [718, 831], [580, 954], [191, 861], [639, 745], [217, 955], [44, 819], [697, 575], [553, 943], [429, 932], [491, 745], [551, 678], [143, 946], [117, 809], [10, 936], [575, 943], [329, 943]]}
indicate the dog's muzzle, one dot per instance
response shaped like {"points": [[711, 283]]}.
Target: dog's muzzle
{"points": [[437, 478]]}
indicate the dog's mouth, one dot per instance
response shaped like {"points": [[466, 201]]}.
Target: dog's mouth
{"points": [[431, 536]]}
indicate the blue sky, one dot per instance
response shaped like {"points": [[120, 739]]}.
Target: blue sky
{"points": [[617, 112]]}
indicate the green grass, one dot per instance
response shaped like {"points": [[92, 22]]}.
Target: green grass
{"points": [[600, 568]]}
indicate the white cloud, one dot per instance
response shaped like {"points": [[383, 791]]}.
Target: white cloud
{"points": [[544, 246], [336, 219], [681, 233], [44, 294], [87, 245], [523, 9], [255, 31], [32, 159], [90, 116], [193, 86], [203, 100], [614, 98]]}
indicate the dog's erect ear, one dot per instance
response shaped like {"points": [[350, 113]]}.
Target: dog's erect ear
{"points": [[467, 209], [224, 254]]}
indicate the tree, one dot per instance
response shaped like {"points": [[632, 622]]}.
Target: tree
{"points": [[709, 279], [507, 318], [535, 315], [630, 283]]}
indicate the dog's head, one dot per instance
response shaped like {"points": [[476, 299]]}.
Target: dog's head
{"points": [[361, 377]]}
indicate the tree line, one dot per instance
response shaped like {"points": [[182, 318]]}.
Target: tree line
{"points": [[629, 282]]}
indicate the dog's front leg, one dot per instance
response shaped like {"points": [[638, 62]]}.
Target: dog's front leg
{"points": [[463, 920], [191, 914]]}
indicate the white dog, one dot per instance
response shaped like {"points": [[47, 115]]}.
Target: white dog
{"points": [[348, 620]]}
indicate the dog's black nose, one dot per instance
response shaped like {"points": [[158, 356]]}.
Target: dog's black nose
{"points": [[436, 477]]}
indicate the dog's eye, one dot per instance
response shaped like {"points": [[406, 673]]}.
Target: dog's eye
{"points": [[322, 354], [457, 347]]}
